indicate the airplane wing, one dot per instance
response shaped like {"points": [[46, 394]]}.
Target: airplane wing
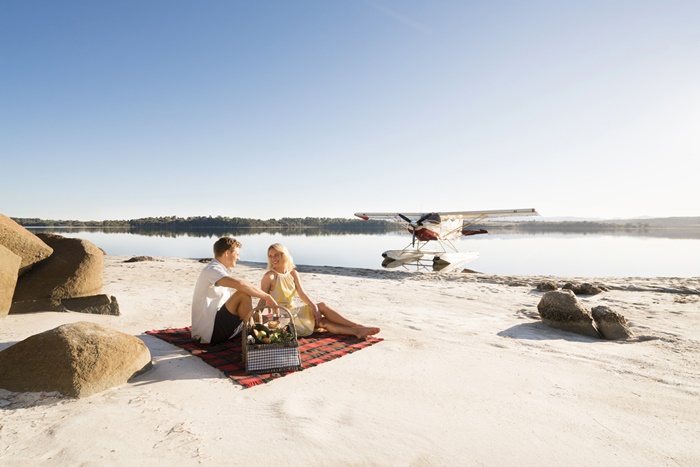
{"points": [[470, 216]]}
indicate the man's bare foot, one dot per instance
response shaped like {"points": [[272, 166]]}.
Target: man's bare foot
{"points": [[364, 332]]}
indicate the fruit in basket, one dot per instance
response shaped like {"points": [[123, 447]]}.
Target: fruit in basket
{"points": [[269, 334], [261, 332]]}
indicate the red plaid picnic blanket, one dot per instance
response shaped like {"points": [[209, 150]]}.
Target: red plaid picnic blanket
{"points": [[320, 347]]}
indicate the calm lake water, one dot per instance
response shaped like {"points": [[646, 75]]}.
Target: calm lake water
{"points": [[559, 254]]}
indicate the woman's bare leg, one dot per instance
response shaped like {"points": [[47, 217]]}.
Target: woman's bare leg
{"points": [[333, 316], [337, 324], [361, 332]]}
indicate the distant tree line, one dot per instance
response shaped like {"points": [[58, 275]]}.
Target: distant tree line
{"points": [[36, 222], [219, 222]]}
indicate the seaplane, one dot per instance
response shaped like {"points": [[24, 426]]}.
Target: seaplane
{"points": [[441, 228]]}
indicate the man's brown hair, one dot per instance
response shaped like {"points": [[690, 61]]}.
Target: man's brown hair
{"points": [[224, 244]]}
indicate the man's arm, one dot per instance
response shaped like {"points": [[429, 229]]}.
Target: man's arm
{"points": [[246, 288]]}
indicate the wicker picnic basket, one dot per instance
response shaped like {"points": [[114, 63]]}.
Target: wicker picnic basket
{"points": [[270, 357]]}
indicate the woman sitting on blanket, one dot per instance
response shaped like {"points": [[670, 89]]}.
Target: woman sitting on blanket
{"points": [[282, 282]]}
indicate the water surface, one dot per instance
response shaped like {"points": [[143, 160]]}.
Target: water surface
{"points": [[559, 254]]}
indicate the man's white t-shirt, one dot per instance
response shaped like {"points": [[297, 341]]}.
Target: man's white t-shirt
{"points": [[208, 299]]}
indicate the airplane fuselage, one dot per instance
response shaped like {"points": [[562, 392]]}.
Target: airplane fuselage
{"points": [[440, 230], [425, 234]]}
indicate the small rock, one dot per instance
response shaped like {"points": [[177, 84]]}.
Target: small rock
{"points": [[137, 259], [100, 304], [611, 324], [518, 283], [94, 304], [583, 289], [562, 310], [546, 286]]}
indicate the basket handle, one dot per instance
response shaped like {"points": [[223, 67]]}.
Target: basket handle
{"points": [[276, 311]]}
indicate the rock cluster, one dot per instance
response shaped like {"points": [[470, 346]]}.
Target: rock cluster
{"points": [[47, 272], [579, 289], [561, 309], [583, 289]]}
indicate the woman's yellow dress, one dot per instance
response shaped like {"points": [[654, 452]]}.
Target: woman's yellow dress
{"points": [[285, 294]]}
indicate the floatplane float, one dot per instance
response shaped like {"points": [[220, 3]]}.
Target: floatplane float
{"points": [[441, 228]]}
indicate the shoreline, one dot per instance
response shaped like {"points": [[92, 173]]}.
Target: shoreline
{"points": [[466, 371]]}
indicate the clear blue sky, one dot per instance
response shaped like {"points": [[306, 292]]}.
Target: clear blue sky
{"points": [[268, 109]]}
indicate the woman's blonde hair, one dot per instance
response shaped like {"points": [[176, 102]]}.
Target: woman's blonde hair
{"points": [[286, 257]]}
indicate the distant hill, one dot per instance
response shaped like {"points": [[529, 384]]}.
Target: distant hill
{"points": [[651, 221], [660, 221], [667, 227]]}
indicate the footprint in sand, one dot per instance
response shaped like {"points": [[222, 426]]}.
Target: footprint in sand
{"points": [[179, 437]]}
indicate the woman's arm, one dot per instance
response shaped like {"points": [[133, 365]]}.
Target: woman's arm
{"points": [[302, 295], [266, 283]]}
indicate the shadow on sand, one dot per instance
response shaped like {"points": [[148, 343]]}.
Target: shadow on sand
{"points": [[171, 363], [539, 331], [344, 271]]}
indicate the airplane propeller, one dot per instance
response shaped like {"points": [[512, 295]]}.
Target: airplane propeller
{"points": [[415, 225]]}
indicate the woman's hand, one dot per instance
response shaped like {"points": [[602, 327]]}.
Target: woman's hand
{"points": [[317, 314]]}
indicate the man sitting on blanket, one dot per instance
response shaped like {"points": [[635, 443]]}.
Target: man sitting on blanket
{"points": [[221, 302]]}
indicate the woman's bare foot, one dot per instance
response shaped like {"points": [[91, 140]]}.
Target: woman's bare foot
{"points": [[364, 332]]}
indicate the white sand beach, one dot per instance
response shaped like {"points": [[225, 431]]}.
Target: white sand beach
{"points": [[466, 375]]}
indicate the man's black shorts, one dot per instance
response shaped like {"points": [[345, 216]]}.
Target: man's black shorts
{"points": [[226, 325]]}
